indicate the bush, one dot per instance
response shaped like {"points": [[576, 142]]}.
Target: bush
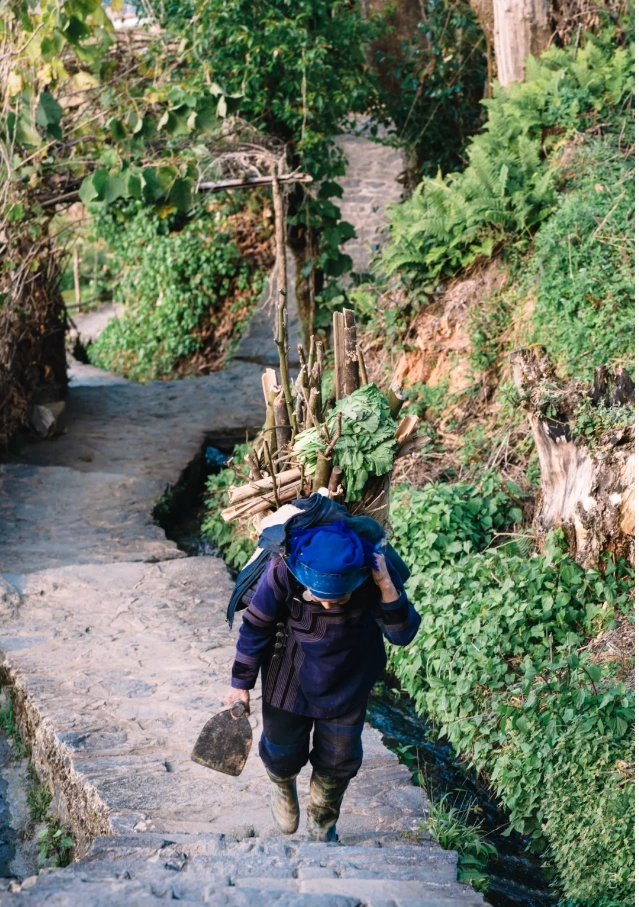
{"points": [[508, 187], [444, 522], [175, 274], [499, 665], [583, 265], [432, 84], [297, 71]]}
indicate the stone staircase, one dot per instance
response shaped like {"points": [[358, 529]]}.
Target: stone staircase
{"points": [[217, 869]]}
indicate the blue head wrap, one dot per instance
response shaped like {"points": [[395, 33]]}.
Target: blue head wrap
{"points": [[331, 560]]}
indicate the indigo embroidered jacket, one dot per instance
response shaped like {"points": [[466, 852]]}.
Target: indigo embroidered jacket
{"points": [[315, 661]]}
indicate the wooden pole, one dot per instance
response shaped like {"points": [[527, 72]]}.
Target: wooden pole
{"points": [[351, 359], [239, 493], [282, 424], [76, 278], [338, 349], [269, 425], [363, 374], [282, 315]]}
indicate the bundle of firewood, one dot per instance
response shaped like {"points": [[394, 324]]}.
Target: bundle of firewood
{"points": [[276, 475]]}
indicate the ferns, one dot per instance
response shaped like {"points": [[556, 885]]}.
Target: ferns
{"points": [[508, 187]]}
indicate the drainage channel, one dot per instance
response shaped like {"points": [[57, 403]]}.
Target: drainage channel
{"points": [[19, 846], [516, 877]]}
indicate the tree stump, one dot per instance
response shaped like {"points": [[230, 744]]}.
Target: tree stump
{"points": [[585, 441]]}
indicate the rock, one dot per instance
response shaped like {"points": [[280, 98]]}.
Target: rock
{"points": [[49, 420]]}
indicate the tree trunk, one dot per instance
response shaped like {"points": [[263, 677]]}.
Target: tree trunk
{"points": [[585, 441], [521, 28], [485, 12]]}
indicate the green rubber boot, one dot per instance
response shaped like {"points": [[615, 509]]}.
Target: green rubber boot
{"points": [[285, 807], [324, 806]]}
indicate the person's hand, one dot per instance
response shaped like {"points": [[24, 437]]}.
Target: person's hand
{"points": [[243, 695], [382, 577]]}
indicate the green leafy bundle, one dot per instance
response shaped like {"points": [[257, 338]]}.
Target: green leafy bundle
{"points": [[366, 445]]}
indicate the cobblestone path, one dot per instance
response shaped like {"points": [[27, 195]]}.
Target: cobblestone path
{"points": [[118, 652]]}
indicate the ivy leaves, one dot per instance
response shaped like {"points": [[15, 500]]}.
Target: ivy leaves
{"points": [[501, 666], [103, 187], [94, 109]]}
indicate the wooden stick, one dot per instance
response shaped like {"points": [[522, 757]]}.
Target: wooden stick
{"points": [[282, 348], [315, 403], [303, 376], [336, 436], [315, 422], [282, 316], [271, 469], [396, 398], [248, 508], [322, 472], [363, 374], [254, 466], [311, 351], [223, 185], [319, 355], [300, 411], [351, 359], [76, 278], [338, 349], [417, 442], [282, 424], [269, 424], [407, 427], [220, 186], [336, 477], [239, 493], [269, 380]]}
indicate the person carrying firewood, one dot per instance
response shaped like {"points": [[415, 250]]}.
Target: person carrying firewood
{"points": [[315, 628]]}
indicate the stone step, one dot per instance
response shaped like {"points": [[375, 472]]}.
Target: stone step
{"points": [[72, 889], [274, 859], [142, 869], [59, 889]]}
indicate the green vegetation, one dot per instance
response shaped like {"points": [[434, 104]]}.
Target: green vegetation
{"points": [[39, 797], [432, 85], [56, 844], [509, 186], [584, 310], [499, 665], [178, 277], [454, 828], [8, 722], [297, 71], [235, 541]]}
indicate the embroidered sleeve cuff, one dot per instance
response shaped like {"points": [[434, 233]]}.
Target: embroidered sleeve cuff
{"points": [[398, 603], [241, 683], [243, 676]]}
